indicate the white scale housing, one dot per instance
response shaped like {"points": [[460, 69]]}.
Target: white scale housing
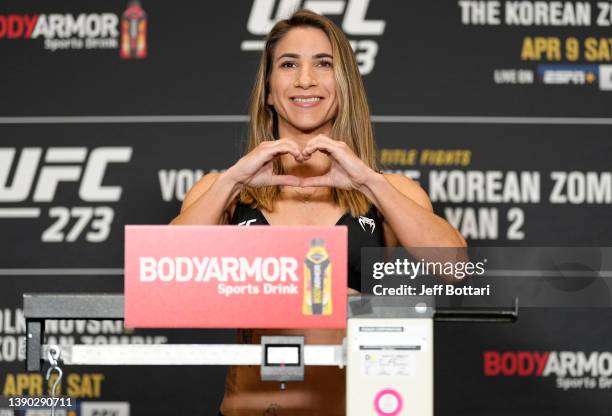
{"points": [[390, 363]]}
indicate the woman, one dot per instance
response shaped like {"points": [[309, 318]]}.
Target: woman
{"points": [[311, 161]]}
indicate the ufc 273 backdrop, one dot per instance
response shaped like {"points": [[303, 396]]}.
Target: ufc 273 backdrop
{"points": [[111, 111]]}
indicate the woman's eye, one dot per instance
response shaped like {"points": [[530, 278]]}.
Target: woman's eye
{"points": [[288, 65], [326, 64]]}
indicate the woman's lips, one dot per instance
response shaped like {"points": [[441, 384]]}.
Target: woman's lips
{"points": [[306, 102]]}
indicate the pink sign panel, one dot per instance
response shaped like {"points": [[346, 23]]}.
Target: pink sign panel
{"points": [[235, 277]]}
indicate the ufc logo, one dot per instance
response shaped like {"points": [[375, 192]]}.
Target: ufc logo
{"points": [[61, 164], [262, 19]]}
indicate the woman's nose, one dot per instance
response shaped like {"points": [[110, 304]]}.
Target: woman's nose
{"points": [[306, 78]]}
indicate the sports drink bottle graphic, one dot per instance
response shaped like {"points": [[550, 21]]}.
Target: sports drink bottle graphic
{"points": [[317, 280], [134, 32]]}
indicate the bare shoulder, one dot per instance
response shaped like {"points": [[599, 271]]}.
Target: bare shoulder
{"points": [[410, 188], [199, 189]]}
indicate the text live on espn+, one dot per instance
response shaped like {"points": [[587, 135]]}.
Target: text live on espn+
{"points": [[75, 186]]}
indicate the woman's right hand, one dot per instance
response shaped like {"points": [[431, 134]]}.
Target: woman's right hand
{"points": [[255, 169], [210, 199]]}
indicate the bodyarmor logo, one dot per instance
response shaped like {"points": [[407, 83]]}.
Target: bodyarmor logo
{"points": [[354, 23], [61, 26], [63, 31], [572, 369], [39, 181]]}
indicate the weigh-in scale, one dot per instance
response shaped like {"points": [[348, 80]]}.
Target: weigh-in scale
{"points": [[388, 351]]}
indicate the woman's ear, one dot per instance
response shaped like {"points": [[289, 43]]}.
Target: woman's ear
{"points": [[269, 100]]}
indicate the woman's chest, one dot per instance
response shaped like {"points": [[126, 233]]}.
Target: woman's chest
{"points": [[297, 213]]}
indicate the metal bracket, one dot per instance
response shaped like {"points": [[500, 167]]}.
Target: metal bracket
{"points": [[34, 340], [40, 306]]}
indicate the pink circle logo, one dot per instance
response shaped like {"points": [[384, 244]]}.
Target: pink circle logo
{"points": [[388, 402]]}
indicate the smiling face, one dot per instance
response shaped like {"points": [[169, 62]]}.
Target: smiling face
{"points": [[302, 87]]}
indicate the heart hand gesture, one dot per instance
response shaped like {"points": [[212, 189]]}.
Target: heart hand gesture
{"points": [[347, 171], [256, 168]]}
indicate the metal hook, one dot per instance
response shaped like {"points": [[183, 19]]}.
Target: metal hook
{"points": [[57, 381], [53, 355]]}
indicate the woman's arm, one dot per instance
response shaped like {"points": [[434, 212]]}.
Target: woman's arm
{"points": [[208, 201], [408, 214]]}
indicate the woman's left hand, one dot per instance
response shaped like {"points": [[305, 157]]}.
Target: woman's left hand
{"points": [[347, 171]]}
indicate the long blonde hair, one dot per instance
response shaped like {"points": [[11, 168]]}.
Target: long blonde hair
{"points": [[352, 124]]}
